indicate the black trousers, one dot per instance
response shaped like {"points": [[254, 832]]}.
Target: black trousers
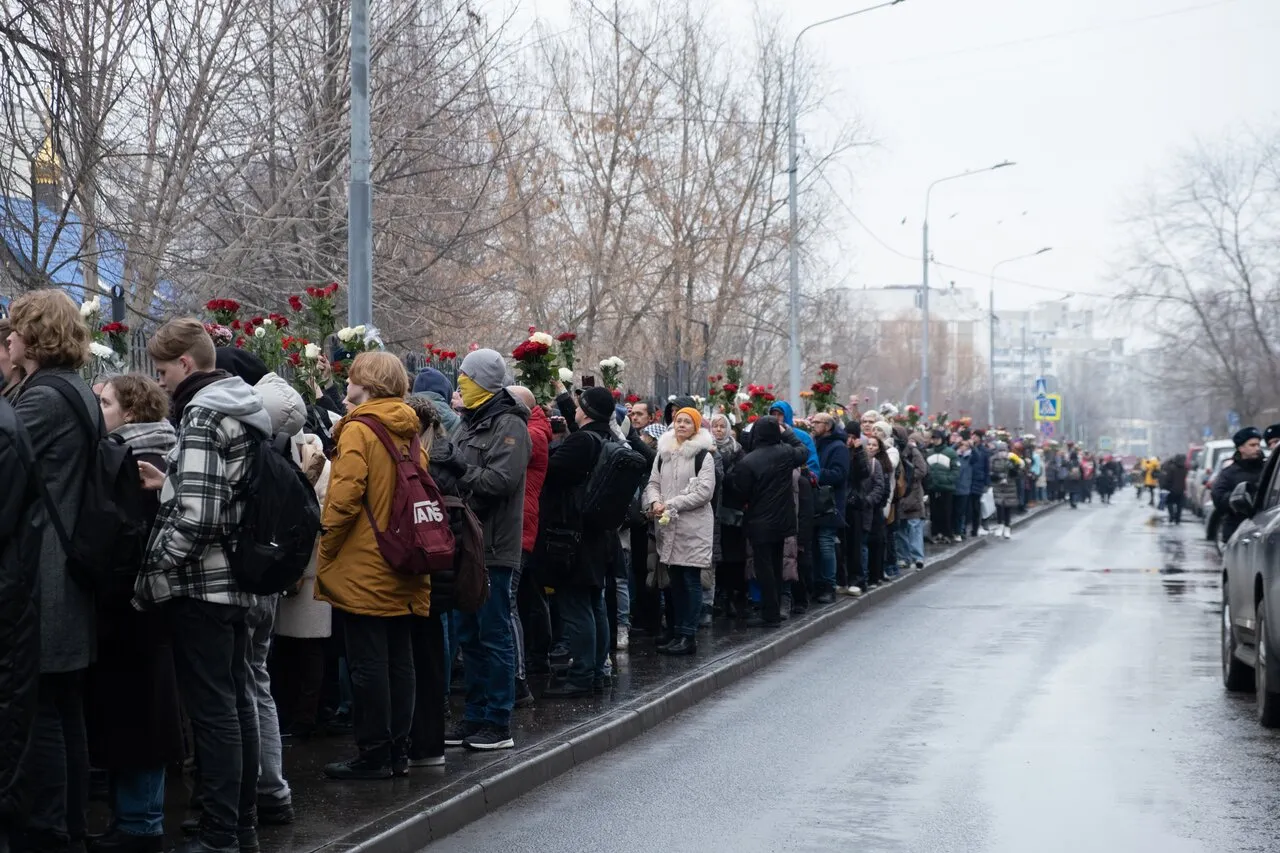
{"points": [[1174, 504], [849, 570], [940, 513], [380, 659], [535, 616], [210, 651], [974, 508], [768, 565], [297, 676], [57, 765], [426, 737]]}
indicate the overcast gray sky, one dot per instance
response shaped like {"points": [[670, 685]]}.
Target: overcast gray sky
{"points": [[1091, 98]]}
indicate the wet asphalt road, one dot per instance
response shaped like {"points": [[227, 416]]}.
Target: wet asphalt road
{"points": [[1060, 692]]}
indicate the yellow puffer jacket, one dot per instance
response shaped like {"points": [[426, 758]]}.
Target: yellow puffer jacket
{"points": [[1151, 473], [351, 574]]}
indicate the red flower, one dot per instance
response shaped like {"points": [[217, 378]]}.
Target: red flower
{"points": [[733, 362], [239, 343], [816, 387], [222, 305], [617, 393], [235, 324], [533, 329], [114, 329], [633, 398], [256, 321], [530, 350], [566, 336], [712, 378], [286, 342], [730, 388], [330, 290], [830, 365], [746, 407], [753, 419], [769, 387], [913, 409], [315, 292], [295, 358], [279, 319], [295, 302], [769, 398]]}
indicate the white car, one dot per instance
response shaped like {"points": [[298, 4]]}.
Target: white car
{"points": [[1211, 459]]}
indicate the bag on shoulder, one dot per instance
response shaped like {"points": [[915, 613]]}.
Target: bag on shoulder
{"points": [[270, 550], [471, 584], [105, 548], [419, 539], [613, 481]]}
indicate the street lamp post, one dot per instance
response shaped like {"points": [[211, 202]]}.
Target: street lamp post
{"points": [[991, 323], [924, 285], [792, 200]]}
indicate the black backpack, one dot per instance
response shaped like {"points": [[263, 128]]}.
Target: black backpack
{"points": [[105, 549], [281, 519], [611, 484]]}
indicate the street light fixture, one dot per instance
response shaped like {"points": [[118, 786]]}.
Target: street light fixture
{"points": [[924, 290], [991, 323], [793, 192]]}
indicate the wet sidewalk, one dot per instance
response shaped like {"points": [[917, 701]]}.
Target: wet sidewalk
{"points": [[339, 816]]}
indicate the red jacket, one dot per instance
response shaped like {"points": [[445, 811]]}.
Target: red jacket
{"points": [[540, 435]]}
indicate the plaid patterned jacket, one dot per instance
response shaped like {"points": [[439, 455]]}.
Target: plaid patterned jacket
{"points": [[185, 555]]}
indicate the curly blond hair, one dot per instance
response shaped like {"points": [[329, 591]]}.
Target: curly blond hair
{"points": [[52, 329]]}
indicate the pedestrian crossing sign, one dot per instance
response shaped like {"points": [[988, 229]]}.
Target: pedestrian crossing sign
{"points": [[1049, 407]]}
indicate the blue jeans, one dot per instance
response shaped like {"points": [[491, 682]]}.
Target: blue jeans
{"points": [[586, 632], [686, 599], [489, 654], [910, 536], [139, 801], [864, 578], [624, 588], [828, 537], [449, 622]]}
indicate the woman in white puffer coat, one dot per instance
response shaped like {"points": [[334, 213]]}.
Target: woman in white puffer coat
{"points": [[679, 496]]}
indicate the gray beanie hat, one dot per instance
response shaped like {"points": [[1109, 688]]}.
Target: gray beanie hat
{"points": [[487, 368]]}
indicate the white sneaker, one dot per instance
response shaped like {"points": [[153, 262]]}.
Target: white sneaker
{"points": [[1008, 531], [852, 591], [843, 590], [624, 638]]}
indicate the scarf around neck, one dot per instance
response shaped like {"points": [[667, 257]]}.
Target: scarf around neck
{"points": [[158, 438]]}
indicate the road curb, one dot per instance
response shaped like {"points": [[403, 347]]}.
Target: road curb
{"points": [[471, 798]]}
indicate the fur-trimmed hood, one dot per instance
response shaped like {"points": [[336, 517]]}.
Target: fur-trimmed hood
{"points": [[702, 440]]}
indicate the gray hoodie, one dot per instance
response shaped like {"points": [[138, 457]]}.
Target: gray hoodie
{"points": [[185, 557]]}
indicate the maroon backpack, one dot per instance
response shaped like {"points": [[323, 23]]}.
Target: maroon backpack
{"points": [[418, 539]]}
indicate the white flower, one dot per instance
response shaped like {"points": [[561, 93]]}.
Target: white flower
{"points": [[346, 334], [101, 350], [260, 331], [268, 322], [542, 338], [566, 375], [671, 399], [612, 362], [90, 307], [360, 330], [311, 351]]}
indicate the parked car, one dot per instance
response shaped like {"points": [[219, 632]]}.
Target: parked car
{"points": [[1210, 461], [1250, 598]]}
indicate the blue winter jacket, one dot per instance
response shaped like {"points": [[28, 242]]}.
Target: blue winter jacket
{"points": [[834, 459], [964, 479], [789, 418], [980, 462]]}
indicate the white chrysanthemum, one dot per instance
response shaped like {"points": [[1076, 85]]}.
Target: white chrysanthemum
{"points": [[542, 338], [311, 351], [260, 331], [360, 330], [101, 350], [90, 307], [346, 334], [268, 322], [566, 375]]}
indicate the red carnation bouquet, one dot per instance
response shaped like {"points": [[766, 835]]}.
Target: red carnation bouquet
{"points": [[824, 390], [317, 316], [536, 363], [223, 311]]}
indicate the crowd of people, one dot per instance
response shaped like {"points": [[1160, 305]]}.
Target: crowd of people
{"points": [[576, 529]]}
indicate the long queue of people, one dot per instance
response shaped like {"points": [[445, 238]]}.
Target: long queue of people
{"points": [[576, 530]]}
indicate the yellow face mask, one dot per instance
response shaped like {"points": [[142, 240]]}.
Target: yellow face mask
{"points": [[473, 396]]}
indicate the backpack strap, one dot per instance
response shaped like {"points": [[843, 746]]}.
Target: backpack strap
{"points": [[697, 462], [73, 398], [387, 441], [32, 469]]}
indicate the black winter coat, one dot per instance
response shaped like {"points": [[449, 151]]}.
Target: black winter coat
{"points": [[568, 468], [1239, 471], [733, 540], [132, 712], [19, 610], [446, 466], [762, 481], [857, 505], [833, 466]]}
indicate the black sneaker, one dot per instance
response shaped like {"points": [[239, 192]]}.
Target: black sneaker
{"points": [[272, 813], [825, 598], [490, 738], [364, 767], [201, 845], [524, 696], [248, 840], [681, 647], [458, 735], [566, 690], [118, 841]]}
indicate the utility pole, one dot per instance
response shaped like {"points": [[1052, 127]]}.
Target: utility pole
{"points": [[360, 204], [1022, 391]]}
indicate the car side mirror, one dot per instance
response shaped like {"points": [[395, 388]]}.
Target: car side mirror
{"points": [[1241, 501]]}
